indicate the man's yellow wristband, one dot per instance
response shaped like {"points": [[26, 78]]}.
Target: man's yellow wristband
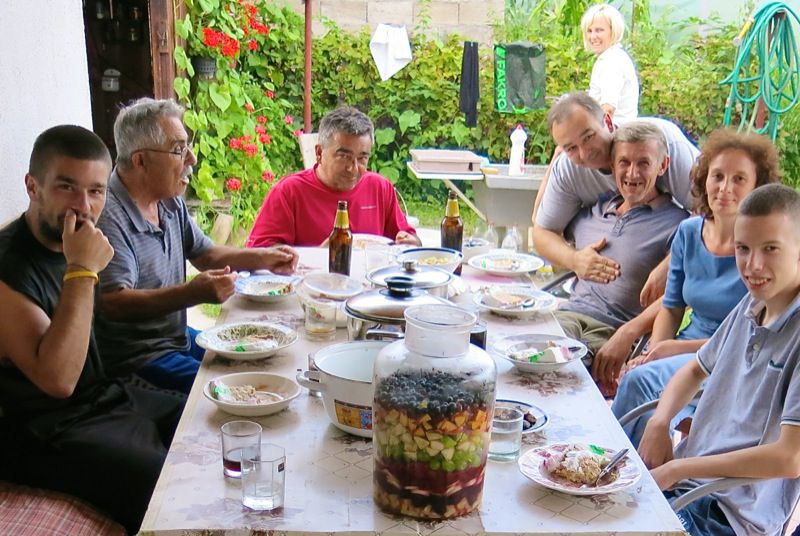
{"points": [[81, 273]]}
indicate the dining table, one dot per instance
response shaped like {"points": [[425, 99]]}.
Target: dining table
{"points": [[329, 479]]}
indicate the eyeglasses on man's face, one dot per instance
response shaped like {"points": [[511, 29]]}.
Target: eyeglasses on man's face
{"points": [[182, 152]]}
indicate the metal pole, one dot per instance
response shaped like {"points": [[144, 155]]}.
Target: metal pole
{"points": [[307, 73]]}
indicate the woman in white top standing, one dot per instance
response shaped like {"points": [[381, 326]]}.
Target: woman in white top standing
{"points": [[614, 83]]}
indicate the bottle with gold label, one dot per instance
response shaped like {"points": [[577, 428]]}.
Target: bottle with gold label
{"points": [[452, 227], [340, 242]]}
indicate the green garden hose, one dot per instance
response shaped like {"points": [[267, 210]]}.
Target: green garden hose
{"points": [[767, 68]]}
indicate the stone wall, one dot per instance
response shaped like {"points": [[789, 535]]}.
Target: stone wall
{"points": [[470, 18]]}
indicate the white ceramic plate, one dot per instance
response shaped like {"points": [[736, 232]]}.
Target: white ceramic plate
{"points": [[284, 390], [247, 340], [512, 343], [360, 240], [488, 298], [265, 288], [541, 417], [506, 263], [531, 464]]}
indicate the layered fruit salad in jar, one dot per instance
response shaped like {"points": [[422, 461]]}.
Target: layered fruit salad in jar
{"points": [[431, 433]]}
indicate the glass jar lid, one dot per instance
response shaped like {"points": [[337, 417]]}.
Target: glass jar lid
{"points": [[422, 276], [389, 304]]}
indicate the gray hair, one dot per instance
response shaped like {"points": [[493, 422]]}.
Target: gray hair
{"points": [[137, 126], [638, 132], [347, 120], [566, 104], [771, 199]]}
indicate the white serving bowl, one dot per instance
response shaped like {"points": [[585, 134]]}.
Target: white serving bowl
{"points": [[508, 345], [442, 258], [285, 388]]}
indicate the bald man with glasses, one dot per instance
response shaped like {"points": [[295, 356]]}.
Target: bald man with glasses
{"points": [[141, 323]]}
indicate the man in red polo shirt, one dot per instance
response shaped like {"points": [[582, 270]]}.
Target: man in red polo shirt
{"points": [[300, 208]]}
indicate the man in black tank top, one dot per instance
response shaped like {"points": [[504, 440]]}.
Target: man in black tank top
{"points": [[64, 425]]}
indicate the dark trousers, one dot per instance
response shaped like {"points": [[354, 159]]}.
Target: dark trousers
{"points": [[111, 459]]}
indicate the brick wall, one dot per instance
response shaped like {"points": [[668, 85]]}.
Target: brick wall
{"points": [[470, 18]]}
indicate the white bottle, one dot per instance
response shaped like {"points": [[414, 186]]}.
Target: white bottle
{"points": [[512, 240], [516, 161]]}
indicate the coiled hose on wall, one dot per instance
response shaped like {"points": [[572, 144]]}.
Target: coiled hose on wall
{"points": [[767, 68]]}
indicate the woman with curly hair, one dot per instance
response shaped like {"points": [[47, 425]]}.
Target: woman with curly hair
{"points": [[702, 271]]}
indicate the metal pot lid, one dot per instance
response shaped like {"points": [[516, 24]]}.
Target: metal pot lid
{"points": [[422, 276], [387, 305]]}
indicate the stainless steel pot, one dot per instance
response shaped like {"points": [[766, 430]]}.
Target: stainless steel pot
{"points": [[433, 280], [378, 314]]}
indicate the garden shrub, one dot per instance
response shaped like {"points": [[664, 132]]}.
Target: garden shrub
{"points": [[418, 107]]}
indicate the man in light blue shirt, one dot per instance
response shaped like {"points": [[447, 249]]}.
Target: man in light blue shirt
{"points": [[747, 422]]}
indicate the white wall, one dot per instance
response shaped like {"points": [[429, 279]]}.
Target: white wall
{"points": [[44, 81]]}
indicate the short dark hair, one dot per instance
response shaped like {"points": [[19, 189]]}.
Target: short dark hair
{"points": [[565, 104], [759, 149], [771, 199], [348, 120], [72, 141]]}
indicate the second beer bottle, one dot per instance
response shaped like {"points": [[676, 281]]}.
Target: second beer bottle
{"points": [[452, 227], [340, 242]]}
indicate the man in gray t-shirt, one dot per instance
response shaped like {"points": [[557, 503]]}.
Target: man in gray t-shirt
{"points": [[637, 226], [141, 323], [747, 422], [582, 172]]}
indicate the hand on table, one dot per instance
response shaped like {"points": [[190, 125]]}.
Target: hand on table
{"points": [[590, 265], [404, 237], [281, 259], [85, 246], [213, 286]]}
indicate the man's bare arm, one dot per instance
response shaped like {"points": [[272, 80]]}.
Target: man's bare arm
{"points": [[51, 352]]}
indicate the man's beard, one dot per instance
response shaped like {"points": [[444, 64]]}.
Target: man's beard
{"points": [[50, 232]]}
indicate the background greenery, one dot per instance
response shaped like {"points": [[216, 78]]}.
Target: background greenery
{"points": [[418, 107]]}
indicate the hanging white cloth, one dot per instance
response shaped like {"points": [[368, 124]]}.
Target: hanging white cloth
{"points": [[390, 49]]}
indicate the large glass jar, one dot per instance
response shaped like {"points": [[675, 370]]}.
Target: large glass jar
{"points": [[434, 397]]}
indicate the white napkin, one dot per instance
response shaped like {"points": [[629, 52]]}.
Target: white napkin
{"points": [[390, 49]]}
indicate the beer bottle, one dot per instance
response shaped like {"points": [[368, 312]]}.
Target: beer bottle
{"points": [[452, 227], [340, 242]]}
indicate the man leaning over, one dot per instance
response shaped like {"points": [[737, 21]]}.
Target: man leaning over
{"points": [[583, 172], [143, 298], [64, 425], [637, 224]]}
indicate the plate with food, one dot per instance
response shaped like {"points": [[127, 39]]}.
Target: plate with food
{"points": [[534, 417], [265, 288], [573, 468], [532, 352], [506, 263], [514, 301], [251, 394], [247, 340], [360, 240]]}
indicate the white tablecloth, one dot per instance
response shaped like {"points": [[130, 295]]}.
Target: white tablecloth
{"points": [[329, 473]]}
